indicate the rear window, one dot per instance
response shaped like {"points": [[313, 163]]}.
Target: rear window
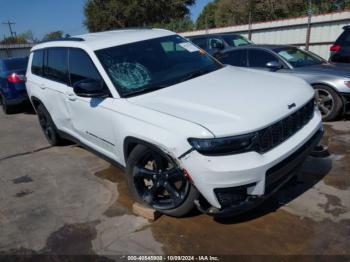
{"points": [[16, 64], [37, 62], [344, 38], [56, 64]]}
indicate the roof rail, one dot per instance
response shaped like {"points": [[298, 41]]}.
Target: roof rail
{"points": [[76, 39]]}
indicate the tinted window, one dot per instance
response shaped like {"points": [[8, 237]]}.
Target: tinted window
{"points": [[81, 66], [37, 62], [149, 65], [56, 64], [216, 43], [201, 42], [236, 40], [16, 64], [235, 58], [344, 38], [259, 58]]}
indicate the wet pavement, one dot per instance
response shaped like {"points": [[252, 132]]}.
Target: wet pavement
{"points": [[65, 200]]}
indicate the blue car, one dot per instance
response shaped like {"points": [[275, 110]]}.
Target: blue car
{"points": [[12, 83]]}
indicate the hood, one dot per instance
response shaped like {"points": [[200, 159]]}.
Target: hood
{"points": [[337, 70], [230, 101]]}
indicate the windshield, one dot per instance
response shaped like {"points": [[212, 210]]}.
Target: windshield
{"points": [[16, 64], [236, 40], [148, 65], [299, 58]]}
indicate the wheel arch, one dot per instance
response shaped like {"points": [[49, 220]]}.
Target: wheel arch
{"points": [[131, 142], [36, 102]]}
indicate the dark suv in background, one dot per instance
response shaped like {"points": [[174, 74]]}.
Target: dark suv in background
{"points": [[340, 50], [12, 83], [215, 43]]}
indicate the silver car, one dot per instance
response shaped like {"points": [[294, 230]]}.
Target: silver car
{"points": [[331, 81]]}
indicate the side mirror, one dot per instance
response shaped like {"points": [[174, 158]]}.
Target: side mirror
{"points": [[274, 65], [90, 88]]}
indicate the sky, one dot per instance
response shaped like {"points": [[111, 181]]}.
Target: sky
{"points": [[43, 16]]}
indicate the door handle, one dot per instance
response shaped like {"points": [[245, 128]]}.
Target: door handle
{"points": [[42, 86]]}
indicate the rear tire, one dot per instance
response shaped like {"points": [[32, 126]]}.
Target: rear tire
{"points": [[48, 126], [8, 109], [329, 102], [153, 191]]}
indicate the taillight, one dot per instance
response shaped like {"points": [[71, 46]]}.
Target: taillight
{"points": [[335, 48], [15, 78]]}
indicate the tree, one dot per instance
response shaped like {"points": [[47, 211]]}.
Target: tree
{"points": [[53, 35], [207, 17], [101, 15], [177, 25]]}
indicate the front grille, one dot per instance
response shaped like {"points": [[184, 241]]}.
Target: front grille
{"points": [[272, 136]]}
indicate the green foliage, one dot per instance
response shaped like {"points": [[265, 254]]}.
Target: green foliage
{"points": [[177, 25], [234, 12], [101, 15], [53, 35], [207, 18]]}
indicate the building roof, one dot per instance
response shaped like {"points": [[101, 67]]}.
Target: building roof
{"points": [[95, 41]]}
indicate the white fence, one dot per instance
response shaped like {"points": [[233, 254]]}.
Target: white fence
{"points": [[15, 50], [324, 31]]}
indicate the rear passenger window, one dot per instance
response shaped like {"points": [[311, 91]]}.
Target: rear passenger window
{"points": [[81, 66], [259, 58], [37, 62], [235, 58], [56, 64]]}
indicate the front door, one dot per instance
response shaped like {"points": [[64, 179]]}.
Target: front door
{"points": [[91, 117]]}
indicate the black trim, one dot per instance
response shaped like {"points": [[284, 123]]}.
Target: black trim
{"points": [[75, 140], [187, 152], [103, 140], [74, 39], [283, 171], [133, 140]]}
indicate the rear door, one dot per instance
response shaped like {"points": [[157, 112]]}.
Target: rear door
{"points": [[91, 117], [54, 85]]}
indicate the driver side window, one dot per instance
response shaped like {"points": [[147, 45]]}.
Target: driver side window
{"points": [[259, 58], [81, 67], [216, 43]]}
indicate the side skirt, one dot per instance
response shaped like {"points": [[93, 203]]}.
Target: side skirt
{"points": [[88, 148]]}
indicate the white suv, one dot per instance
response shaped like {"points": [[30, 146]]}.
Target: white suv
{"points": [[187, 129]]}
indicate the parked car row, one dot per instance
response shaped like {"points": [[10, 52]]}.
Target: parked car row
{"points": [[188, 130], [330, 80]]}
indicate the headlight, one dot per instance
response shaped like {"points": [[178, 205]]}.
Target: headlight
{"points": [[223, 146]]}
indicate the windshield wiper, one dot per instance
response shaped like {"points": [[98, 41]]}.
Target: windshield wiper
{"points": [[144, 90]]}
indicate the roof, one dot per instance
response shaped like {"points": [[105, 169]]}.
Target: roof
{"points": [[95, 41]]}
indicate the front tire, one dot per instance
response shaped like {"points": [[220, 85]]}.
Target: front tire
{"points": [[154, 180], [329, 102], [48, 126]]}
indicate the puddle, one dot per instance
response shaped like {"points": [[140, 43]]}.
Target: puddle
{"points": [[71, 240], [22, 179], [123, 204], [338, 142]]}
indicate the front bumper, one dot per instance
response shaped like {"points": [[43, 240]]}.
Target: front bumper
{"points": [[259, 174]]}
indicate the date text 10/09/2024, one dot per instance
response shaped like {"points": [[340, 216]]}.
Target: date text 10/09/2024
{"points": [[173, 258]]}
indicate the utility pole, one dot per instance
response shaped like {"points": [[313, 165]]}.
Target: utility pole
{"points": [[250, 20], [206, 25], [308, 32], [10, 27]]}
